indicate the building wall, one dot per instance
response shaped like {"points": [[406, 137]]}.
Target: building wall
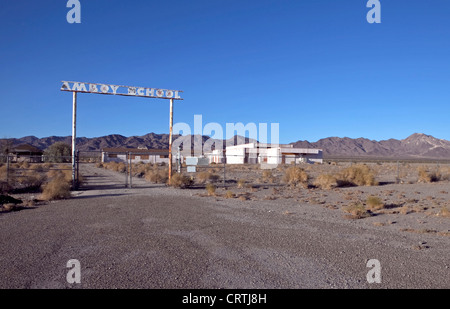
{"points": [[110, 157], [251, 154]]}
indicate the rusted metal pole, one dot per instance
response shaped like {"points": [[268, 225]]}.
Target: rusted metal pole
{"points": [[131, 170], [170, 139], [74, 137], [127, 169], [7, 168]]}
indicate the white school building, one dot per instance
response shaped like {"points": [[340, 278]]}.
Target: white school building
{"points": [[254, 153]]}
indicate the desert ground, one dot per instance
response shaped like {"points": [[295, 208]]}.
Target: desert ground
{"points": [[261, 230]]}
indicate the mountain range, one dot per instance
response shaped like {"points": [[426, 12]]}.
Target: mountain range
{"points": [[417, 145]]}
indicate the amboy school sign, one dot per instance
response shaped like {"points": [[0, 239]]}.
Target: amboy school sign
{"points": [[156, 93], [121, 90]]}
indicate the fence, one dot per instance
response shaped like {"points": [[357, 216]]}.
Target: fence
{"points": [[27, 173], [20, 173]]}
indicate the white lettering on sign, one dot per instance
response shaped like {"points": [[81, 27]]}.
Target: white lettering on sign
{"points": [[131, 91], [121, 90]]}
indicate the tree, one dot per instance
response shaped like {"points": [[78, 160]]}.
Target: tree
{"points": [[58, 152]]}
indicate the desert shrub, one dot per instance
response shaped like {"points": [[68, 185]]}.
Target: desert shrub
{"points": [[37, 168], [116, 166], [445, 173], [47, 165], [180, 181], [202, 177], [3, 172], [5, 187], [241, 183], [356, 211], [267, 176], [120, 167], [30, 180], [156, 175], [445, 212], [374, 203], [357, 175], [428, 176], [140, 169], [296, 176], [24, 164], [57, 188], [229, 194], [62, 173], [211, 189], [326, 181]]}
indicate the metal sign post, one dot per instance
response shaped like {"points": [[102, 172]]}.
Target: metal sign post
{"points": [[170, 139], [143, 92], [74, 137]]}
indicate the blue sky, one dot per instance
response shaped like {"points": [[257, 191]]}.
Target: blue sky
{"points": [[316, 67]]}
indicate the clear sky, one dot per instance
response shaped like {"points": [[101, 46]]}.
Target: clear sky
{"points": [[316, 67]]}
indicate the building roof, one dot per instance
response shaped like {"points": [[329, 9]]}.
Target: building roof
{"points": [[26, 148]]}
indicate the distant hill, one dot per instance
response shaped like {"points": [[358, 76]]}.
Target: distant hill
{"points": [[418, 145], [151, 141]]}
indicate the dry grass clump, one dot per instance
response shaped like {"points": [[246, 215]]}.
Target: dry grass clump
{"points": [[356, 211], [156, 175], [3, 172], [64, 174], [211, 189], [30, 180], [428, 176], [39, 168], [9, 203], [241, 183], [445, 173], [326, 181], [374, 203], [180, 181], [296, 176], [57, 188], [204, 177], [267, 176], [357, 175], [140, 169], [230, 194], [115, 166], [444, 212]]}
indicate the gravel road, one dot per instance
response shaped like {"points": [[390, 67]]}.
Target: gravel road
{"points": [[152, 236]]}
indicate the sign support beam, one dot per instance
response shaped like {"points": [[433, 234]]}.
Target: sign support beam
{"points": [[74, 137], [170, 139]]}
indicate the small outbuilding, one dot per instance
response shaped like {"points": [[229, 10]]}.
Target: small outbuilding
{"points": [[26, 152], [137, 155]]}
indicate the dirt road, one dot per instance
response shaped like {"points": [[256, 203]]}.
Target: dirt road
{"points": [[151, 236]]}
